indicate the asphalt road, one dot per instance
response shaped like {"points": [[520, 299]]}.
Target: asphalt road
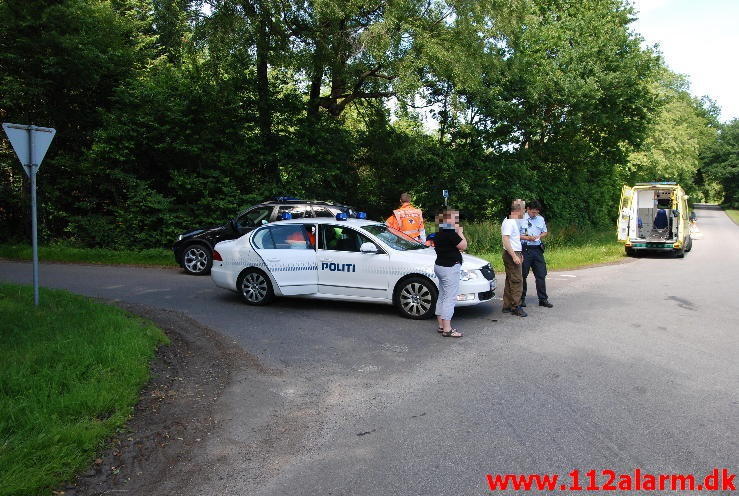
{"points": [[636, 366]]}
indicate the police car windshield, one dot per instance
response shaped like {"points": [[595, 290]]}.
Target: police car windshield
{"points": [[394, 239]]}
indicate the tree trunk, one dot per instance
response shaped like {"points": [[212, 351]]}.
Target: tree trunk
{"points": [[444, 115], [314, 97], [338, 68], [264, 107]]}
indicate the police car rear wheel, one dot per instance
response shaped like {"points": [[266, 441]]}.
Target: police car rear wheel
{"points": [[255, 288], [416, 298]]}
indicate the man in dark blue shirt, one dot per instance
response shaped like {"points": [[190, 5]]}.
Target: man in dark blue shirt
{"points": [[533, 230]]}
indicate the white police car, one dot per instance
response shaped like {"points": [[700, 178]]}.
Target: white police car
{"points": [[339, 259]]}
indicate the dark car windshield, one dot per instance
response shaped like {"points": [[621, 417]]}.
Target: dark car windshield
{"points": [[394, 238]]}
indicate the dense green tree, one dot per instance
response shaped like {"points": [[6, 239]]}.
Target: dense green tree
{"points": [[563, 85], [171, 21], [721, 162], [681, 129], [59, 64], [174, 146]]}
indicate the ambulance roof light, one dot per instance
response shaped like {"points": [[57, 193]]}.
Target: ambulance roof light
{"points": [[341, 216]]}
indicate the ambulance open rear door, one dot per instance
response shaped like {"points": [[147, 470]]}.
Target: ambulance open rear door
{"points": [[624, 213]]}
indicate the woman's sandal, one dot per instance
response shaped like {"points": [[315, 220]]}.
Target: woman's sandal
{"points": [[452, 333], [440, 330]]}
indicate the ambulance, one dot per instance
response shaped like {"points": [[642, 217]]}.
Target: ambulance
{"points": [[654, 217], [342, 259]]}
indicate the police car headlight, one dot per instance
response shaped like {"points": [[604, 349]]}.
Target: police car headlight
{"points": [[179, 238], [468, 275]]}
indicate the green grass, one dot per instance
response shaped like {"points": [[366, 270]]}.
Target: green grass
{"points": [[567, 247], [66, 253], [733, 215], [70, 372]]}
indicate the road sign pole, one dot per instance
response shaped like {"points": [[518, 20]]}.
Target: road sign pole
{"points": [[30, 144], [34, 229], [34, 213]]}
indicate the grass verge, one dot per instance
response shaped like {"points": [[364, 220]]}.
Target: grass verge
{"points": [[567, 247], [733, 215], [70, 373], [66, 253]]}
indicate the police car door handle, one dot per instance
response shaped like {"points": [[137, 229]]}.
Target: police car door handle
{"points": [[273, 259]]}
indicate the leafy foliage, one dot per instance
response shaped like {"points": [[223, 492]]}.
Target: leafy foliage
{"points": [[722, 162], [682, 128], [60, 62], [171, 116]]}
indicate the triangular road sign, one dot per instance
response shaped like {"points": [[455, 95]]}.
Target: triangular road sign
{"points": [[19, 135]]}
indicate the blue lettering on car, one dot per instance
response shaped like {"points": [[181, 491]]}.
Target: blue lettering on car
{"points": [[336, 267]]}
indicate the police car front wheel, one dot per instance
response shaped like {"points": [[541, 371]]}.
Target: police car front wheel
{"points": [[255, 287], [415, 298]]}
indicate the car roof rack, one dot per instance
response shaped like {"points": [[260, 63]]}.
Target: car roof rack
{"points": [[658, 183], [306, 202]]}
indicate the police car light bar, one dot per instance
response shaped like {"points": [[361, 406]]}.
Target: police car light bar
{"points": [[361, 215], [341, 216], [285, 216]]}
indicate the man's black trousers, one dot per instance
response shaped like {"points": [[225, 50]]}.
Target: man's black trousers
{"points": [[533, 258]]}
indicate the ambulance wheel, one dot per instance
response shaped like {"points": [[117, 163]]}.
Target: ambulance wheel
{"points": [[689, 246], [415, 297], [254, 287]]}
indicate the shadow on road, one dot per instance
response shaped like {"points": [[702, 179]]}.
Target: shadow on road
{"points": [[656, 255], [356, 310]]}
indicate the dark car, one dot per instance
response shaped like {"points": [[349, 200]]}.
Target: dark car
{"points": [[193, 249]]}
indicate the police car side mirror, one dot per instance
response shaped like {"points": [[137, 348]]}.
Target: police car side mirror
{"points": [[368, 248]]}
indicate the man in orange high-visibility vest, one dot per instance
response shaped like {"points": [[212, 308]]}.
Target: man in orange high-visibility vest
{"points": [[408, 219]]}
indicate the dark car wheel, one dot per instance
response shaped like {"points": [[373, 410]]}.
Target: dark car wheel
{"points": [[255, 288], [197, 260], [415, 298]]}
